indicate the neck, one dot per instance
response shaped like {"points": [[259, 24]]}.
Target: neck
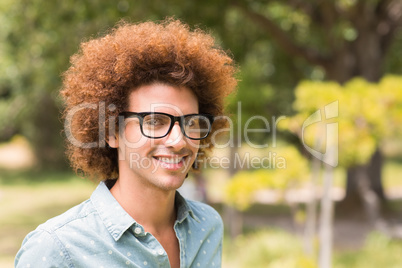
{"points": [[152, 208]]}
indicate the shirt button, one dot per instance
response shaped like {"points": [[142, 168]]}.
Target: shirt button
{"points": [[161, 251], [137, 230]]}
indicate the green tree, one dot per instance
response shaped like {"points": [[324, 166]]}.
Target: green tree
{"points": [[37, 40], [292, 172], [345, 38], [364, 124]]}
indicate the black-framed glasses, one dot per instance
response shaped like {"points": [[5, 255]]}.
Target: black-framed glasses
{"points": [[158, 125]]}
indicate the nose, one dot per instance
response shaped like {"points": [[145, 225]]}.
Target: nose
{"points": [[175, 137]]}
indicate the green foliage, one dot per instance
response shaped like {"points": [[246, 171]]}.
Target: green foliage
{"points": [[390, 88], [36, 43], [368, 114], [266, 249], [289, 169]]}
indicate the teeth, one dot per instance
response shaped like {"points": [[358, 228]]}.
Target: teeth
{"points": [[170, 160]]}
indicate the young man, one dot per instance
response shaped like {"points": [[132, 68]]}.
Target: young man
{"points": [[141, 108]]}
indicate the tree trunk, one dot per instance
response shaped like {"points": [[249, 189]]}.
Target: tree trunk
{"points": [[353, 200], [374, 172], [46, 142], [370, 200]]}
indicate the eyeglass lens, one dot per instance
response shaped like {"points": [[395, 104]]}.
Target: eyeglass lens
{"points": [[158, 125]]}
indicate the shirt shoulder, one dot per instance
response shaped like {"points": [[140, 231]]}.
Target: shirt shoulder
{"points": [[43, 248], [73, 214]]}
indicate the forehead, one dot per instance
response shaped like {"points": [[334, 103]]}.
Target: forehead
{"points": [[163, 98]]}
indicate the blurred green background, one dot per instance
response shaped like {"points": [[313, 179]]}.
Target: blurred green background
{"points": [[295, 57]]}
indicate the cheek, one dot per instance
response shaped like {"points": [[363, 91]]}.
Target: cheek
{"points": [[132, 133], [131, 138]]}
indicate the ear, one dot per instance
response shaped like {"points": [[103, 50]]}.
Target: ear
{"points": [[113, 141]]}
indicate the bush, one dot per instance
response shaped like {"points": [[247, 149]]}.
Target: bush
{"points": [[269, 248]]}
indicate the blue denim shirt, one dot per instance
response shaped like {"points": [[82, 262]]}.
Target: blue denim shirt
{"points": [[99, 233]]}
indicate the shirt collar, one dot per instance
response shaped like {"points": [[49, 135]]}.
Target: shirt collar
{"points": [[117, 220], [183, 209], [113, 216]]}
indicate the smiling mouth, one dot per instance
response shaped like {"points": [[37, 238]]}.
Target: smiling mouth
{"points": [[171, 163], [169, 160]]}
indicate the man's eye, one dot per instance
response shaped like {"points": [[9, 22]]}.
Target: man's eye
{"points": [[156, 121], [152, 122], [193, 122]]}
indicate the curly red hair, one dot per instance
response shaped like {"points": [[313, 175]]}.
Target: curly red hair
{"points": [[107, 69]]}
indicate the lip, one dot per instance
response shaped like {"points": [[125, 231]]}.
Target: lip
{"points": [[170, 162]]}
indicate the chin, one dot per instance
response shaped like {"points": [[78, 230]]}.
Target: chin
{"points": [[172, 182]]}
